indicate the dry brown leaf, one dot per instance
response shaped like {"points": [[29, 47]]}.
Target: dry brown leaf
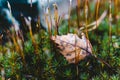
{"points": [[72, 47]]}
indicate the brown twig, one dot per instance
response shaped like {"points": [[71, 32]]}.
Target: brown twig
{"points": [[69, 21], [86, 17], [93, 55], [78, 13], [96, 10], [93, 26], [110, 24]]}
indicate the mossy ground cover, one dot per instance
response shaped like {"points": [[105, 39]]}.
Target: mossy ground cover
{"points": [[40, 59]]}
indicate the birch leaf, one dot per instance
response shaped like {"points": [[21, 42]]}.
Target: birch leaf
{"points": [[72, 47]]}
